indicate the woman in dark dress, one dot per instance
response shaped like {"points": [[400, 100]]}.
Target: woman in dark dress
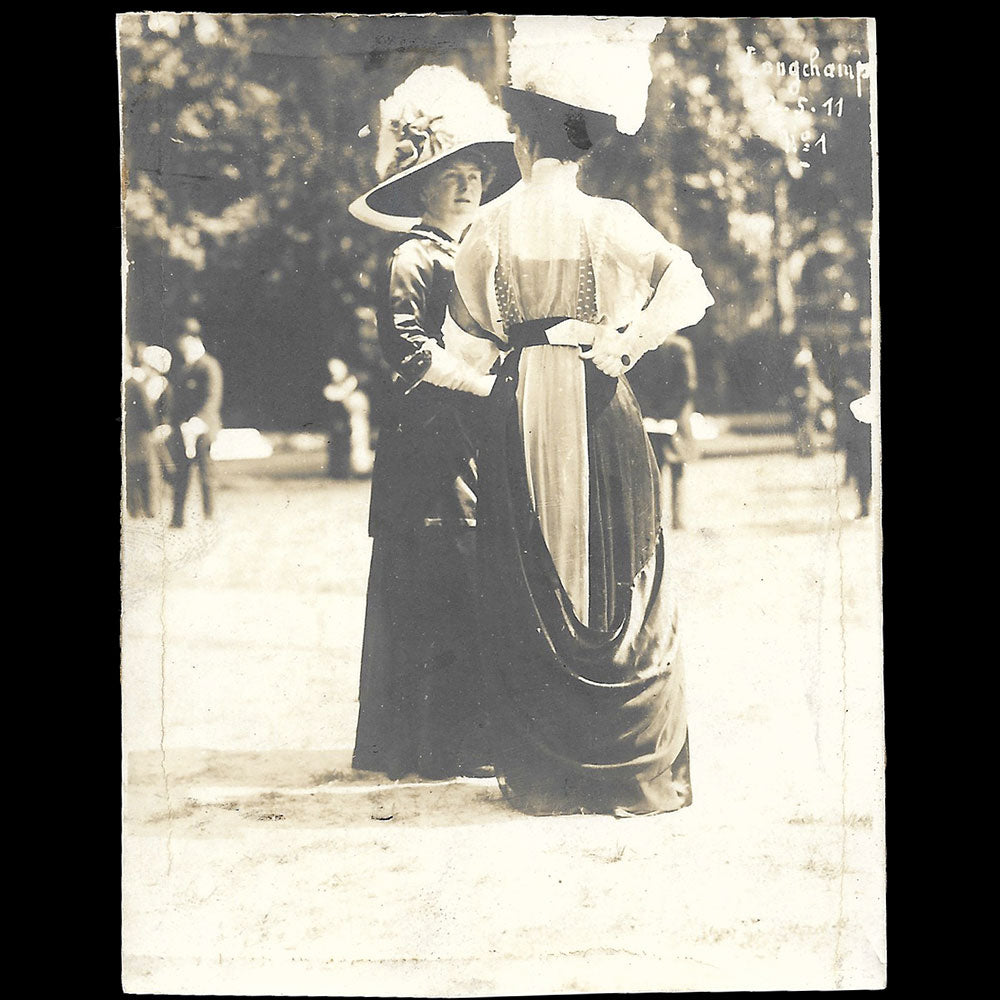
{"points": [[580, 633], [440, 143]]}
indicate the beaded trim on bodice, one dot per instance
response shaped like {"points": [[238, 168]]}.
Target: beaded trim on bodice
{"points": [[506, 289]]}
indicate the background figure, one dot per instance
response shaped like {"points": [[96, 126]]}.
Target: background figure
{"points": [[854, 433], [348, 425], [195, 419], [157, 360], [373, 371], [664, 382], [143, 482], [806, 395]]}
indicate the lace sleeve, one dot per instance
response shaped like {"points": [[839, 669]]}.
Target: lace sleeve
{"points": [[475, 264], [629, 239], [681, 296], [476, 351]]}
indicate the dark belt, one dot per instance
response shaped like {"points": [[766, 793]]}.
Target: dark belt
{"points": [[532, 332]]}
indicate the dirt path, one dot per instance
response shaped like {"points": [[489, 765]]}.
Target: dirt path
{"points": [[256, 862]]}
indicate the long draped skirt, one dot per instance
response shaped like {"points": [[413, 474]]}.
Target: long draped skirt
{"points": [[587, 716], [420, 705]]}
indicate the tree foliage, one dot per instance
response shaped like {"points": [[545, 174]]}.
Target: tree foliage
{"points": [[749, 168], [241, 155]]}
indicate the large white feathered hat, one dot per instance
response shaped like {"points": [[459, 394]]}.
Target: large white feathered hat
{"points": [[434, 114], [595, 65]]}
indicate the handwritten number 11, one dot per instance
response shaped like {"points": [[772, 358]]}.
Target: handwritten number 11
{"points": [[829, 104]]}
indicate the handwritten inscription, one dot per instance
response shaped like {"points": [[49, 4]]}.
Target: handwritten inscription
{"points": [[809, 114], [797, 70]]}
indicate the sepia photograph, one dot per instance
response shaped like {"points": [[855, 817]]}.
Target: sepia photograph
{"points": [[501, 505]]}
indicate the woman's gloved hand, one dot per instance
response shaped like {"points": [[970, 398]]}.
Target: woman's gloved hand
{"points": [[614, 352], [451, 372]]}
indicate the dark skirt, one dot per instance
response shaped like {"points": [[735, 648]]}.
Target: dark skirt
{"points": [[420, 697], [587, 718]]}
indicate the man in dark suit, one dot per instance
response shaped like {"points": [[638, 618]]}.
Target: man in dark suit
{"points": [[195, 418], [854, 431], [664, 382]]}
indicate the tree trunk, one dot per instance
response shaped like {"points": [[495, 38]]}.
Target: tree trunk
{"points": [[499, 37]]}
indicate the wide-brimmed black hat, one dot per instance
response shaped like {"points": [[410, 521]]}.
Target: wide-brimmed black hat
{"points": [[395, 203], [584, 127]]}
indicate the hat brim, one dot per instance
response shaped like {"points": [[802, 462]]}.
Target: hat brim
{"points": [[394, 204], [599, 124]]}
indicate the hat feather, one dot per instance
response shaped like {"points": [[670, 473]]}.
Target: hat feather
{"points": [[436, 109]]}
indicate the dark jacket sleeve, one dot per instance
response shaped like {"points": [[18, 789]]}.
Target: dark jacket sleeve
{"points": [[407, 325]]}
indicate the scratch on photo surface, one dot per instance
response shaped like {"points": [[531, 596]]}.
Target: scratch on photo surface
{"points": [[838, 957], [163, 704]]}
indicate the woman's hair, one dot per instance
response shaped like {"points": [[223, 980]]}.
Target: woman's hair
{"points": [[487, 171], [559, 130], [562, 137]]}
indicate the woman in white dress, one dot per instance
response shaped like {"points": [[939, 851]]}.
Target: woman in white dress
{"points": [[581, 653]]}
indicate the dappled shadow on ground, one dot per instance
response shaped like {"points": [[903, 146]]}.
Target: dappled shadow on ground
{"points": [[215, 793]]}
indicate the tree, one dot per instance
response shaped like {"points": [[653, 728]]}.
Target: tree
{"points": [[756, 156], [241, 155]]}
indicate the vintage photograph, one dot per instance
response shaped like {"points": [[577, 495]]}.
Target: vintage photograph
{"points": [[501, 551]]}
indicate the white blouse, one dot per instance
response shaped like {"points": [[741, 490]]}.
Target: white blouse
{"points": [[547, 249]]}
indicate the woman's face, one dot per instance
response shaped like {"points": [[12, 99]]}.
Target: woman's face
{"points": [[454, 192]]}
